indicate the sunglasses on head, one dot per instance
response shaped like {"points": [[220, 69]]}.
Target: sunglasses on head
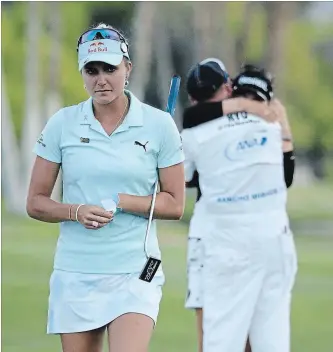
{"points": [[101, 33]]}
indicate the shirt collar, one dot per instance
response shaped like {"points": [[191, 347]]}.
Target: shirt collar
{"points": [[134, 117]]}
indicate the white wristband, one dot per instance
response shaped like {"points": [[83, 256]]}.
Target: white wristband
{"points": [[77, 210]]}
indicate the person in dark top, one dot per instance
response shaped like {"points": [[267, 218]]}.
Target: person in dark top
{"points": [[205, 110]]}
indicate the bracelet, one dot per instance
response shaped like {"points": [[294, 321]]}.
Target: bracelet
{"points": [[70, 212], [287, 139], [77, 210]]}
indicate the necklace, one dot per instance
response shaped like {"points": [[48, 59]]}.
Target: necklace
{"points": [[121, 116]]}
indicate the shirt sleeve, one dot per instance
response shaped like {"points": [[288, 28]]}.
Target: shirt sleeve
{"points": [[200, 113], [289, 167], [48, 143], [188, 147], [171, 150]]}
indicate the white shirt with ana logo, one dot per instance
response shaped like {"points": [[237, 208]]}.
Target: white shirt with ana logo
{"points": [[240, 162]]}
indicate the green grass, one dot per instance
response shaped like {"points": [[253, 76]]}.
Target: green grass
{"points": [[27, 255], [311, 203]]}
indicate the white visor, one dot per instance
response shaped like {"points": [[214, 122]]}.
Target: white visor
{"points": [[104, 50], [217, 61]]}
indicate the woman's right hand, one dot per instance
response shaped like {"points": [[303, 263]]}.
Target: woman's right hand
{"points": [[264, 110], [92, 217]]}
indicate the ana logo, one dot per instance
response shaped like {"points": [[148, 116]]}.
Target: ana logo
{"points": [[97, 47], [242, 149], [251, 143]]}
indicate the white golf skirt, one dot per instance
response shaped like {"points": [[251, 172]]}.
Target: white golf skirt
{"points": [[83, 302]]}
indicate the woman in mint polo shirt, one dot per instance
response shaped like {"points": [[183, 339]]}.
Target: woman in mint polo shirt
{"points": [[111, 148]]}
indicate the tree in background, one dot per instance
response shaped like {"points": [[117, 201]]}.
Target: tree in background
{"points": [[11, 159], [32, 124], [165, 38], [243, 36], [53, 101], [212, 37], [278, 17], [142, 39], [19, 163]]}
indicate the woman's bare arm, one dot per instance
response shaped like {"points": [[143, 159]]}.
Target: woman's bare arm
{"points": [[253, 107], [281, 112], [170, 201], [39, 205]]}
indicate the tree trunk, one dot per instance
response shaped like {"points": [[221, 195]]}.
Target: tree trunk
{"points": [[143, 29], [32, 120], [243, 37], [162, 54], [202, 23], [53, 99], [212, 35], [164, 64], [278, 17], [11, 163]]}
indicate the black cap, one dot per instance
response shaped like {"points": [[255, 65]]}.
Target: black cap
{"points": [[255, 81], [205, 78]]}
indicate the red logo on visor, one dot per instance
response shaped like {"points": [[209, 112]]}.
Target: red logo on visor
{"points": [[98, 47]]}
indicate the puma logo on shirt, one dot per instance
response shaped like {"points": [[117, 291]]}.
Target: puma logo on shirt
{"points": [[141, 145]]}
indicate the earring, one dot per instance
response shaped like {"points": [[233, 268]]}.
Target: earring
{"points": [[126, 82], [85, 87]]}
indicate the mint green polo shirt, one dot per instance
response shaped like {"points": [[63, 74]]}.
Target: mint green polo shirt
{"points": [[95, 166]]}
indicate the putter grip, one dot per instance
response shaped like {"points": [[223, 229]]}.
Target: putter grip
{"points": [[173, 94], [171, 107]]}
